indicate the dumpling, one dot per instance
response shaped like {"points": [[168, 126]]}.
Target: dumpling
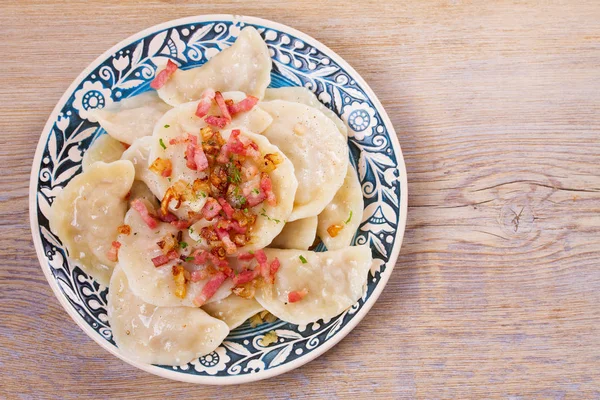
{"points": [[330, 281], [270, 219], [233, 310], [132, 118], [314, 145], [159, 335], [299, 234], [156, 285], [138, 153], [305, 96], [245, 66], [87, 213], [182, 120], [105, 149], [343, 215]]}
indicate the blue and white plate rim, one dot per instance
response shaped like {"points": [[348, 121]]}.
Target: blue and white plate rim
{"points": [[267, 373]]}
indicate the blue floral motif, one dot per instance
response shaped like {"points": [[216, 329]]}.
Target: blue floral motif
{"points": [[128, 72]]}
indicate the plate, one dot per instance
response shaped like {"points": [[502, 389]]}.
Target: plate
{"points": [[298, 60]]}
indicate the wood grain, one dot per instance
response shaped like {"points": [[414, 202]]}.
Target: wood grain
{"points": [[497, 289]]}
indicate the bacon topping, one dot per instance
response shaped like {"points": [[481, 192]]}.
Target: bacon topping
{"points": [[161, 260], [163, 76], [222, 106], [140, 206], [245, 276], [113, 252], [266, 186], [210, 288], [296, 296], [162, 167], [219, 122], [226, 207], [244, 105], [223, 235], [205, 102], [211, 209]]}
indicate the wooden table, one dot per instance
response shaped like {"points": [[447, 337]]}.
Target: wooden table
{"points": [[497, 289]]}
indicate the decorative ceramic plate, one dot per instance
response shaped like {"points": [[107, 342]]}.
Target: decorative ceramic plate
{"points": [[298, 60]]}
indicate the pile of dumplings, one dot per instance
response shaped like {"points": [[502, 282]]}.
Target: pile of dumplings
{"points": [[317, 196]]}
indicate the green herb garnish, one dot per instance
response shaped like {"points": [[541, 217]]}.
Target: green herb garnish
{"points": [[349, 217], [167, 126], [162, 144], [183, 245], [301, 257], [234, 174], [264, 214], [255, 191], [188, 259]]}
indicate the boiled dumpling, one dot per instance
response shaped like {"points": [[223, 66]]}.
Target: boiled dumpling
{"points": [[233, 310], [132, 118], [343, 214], [156, 285], [159, 335], [331, 282], [139, 190], [105, 149], [270, 220], [299, 234], [87, 213], [245, 66], [314, 145], [305, 96]]}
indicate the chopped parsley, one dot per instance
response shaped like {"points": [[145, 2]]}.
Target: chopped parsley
{"points": [[191, 230], [183, 245], [169, 179], [188, 259], [162, 144], [251, 252], [234, 174], [349, 217], [301, 257], [167, 126], [245, 210], [255, 191], [264, 214]]}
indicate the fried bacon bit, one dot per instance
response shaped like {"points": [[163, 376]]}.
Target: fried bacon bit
{"points": [[246, 256], [205, 102], [235, 145], [296, 296], [167, 243], [200, 257], [245, 276], [334, 229], [226, 207], [163, 76], [244, 105], [267, 187], [231, 226], [270, 161], [161, 260], [275, 264], [180, 281], [113, 252], [210, 288], [222, 106], [162, 167], [140, 206], [254, 196], [211, 209], [195, 157], [219, 122], [124, 229], [269, 338], [223, 235]]}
